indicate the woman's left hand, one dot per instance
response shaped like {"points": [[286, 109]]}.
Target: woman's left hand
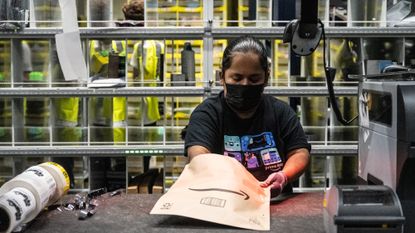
{"points": [[276, 181]]}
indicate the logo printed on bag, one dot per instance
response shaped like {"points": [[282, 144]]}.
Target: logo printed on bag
{"points": [[254, 220], [166, 206], [213, 201], [241, 193]]}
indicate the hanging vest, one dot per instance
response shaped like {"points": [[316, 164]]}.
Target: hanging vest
{"points": [[149, 55], [114, 109], [149, 60]]}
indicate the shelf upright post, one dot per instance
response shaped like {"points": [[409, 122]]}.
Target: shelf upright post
{"points": [[17, 80], [86, 118], [208, 76], [32, 14], [51, 105], [403, 53], [17, 103]]}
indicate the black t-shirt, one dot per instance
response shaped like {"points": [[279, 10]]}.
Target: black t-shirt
{"points": [[260, 143]]}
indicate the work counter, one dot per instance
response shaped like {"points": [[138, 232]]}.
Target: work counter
{"points": [[302, 212]]}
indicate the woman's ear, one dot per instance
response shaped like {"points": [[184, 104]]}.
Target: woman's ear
{"points": [[268, 73], [267, 77], [221, 78]]}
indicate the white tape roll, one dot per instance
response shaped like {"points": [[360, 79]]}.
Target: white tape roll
{"points": [[61, 178], [23, 197], [15, 206], [38, 181]]}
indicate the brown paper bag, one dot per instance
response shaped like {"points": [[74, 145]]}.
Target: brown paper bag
{"points": [[218, 189]]}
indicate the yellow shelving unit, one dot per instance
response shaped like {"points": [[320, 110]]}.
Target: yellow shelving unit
{"points": [[46, 10], [174, 13], [6, 164], [5, 62]]}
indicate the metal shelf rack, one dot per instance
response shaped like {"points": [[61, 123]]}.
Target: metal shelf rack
{"points": [[163, 91], [200, 32], [143, 150]]}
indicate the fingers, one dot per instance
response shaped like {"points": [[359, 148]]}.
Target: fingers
{"points": [[276, 180], [270, 179], [263, 184]]}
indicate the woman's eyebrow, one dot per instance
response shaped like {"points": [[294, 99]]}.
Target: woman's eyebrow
{"points": [[243, 74]]}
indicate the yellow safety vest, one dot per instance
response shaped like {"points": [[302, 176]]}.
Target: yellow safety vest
{"points": [[114, 108], [149, 60]]}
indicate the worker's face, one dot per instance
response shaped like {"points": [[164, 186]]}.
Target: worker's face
{"points": [[245, 69], [244, 82]]}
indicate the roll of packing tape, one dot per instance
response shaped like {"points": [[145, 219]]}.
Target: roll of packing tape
{"points": [[38, 181], [15, 206], [23, 197]]}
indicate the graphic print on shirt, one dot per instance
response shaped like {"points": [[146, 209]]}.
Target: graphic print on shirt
{"points": [[254, 151], [233, 147], [234, 154], [232, 143], [271, 159], [251, 160]]}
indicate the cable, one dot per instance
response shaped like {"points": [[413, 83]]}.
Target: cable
{"points": [[330, 72]]}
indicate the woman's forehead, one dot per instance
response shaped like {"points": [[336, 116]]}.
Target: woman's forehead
{"points": [[245, 55], [248, 61]]}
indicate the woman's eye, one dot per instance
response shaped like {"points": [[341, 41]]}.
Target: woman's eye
{"points": [[255, 80], [237, 78]]}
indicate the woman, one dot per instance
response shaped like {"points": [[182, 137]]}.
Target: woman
{"points": [[242, 120]]}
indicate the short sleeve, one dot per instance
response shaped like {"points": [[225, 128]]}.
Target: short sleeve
{"points": [[292, 133], [203, 128]]}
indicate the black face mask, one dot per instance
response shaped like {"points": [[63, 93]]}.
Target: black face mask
{"points": [[243, 97]]}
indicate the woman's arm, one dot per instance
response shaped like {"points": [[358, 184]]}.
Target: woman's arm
{"points": [[296, 163], [196, 150]]}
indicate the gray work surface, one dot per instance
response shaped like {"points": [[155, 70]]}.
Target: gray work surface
{"points": [[130, 213]]}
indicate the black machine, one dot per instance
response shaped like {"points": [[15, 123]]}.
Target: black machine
{"points": [[386, 157], [360, 208]]}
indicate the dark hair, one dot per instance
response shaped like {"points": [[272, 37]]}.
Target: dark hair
{"points": [[134, 10], [245, 44]]}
